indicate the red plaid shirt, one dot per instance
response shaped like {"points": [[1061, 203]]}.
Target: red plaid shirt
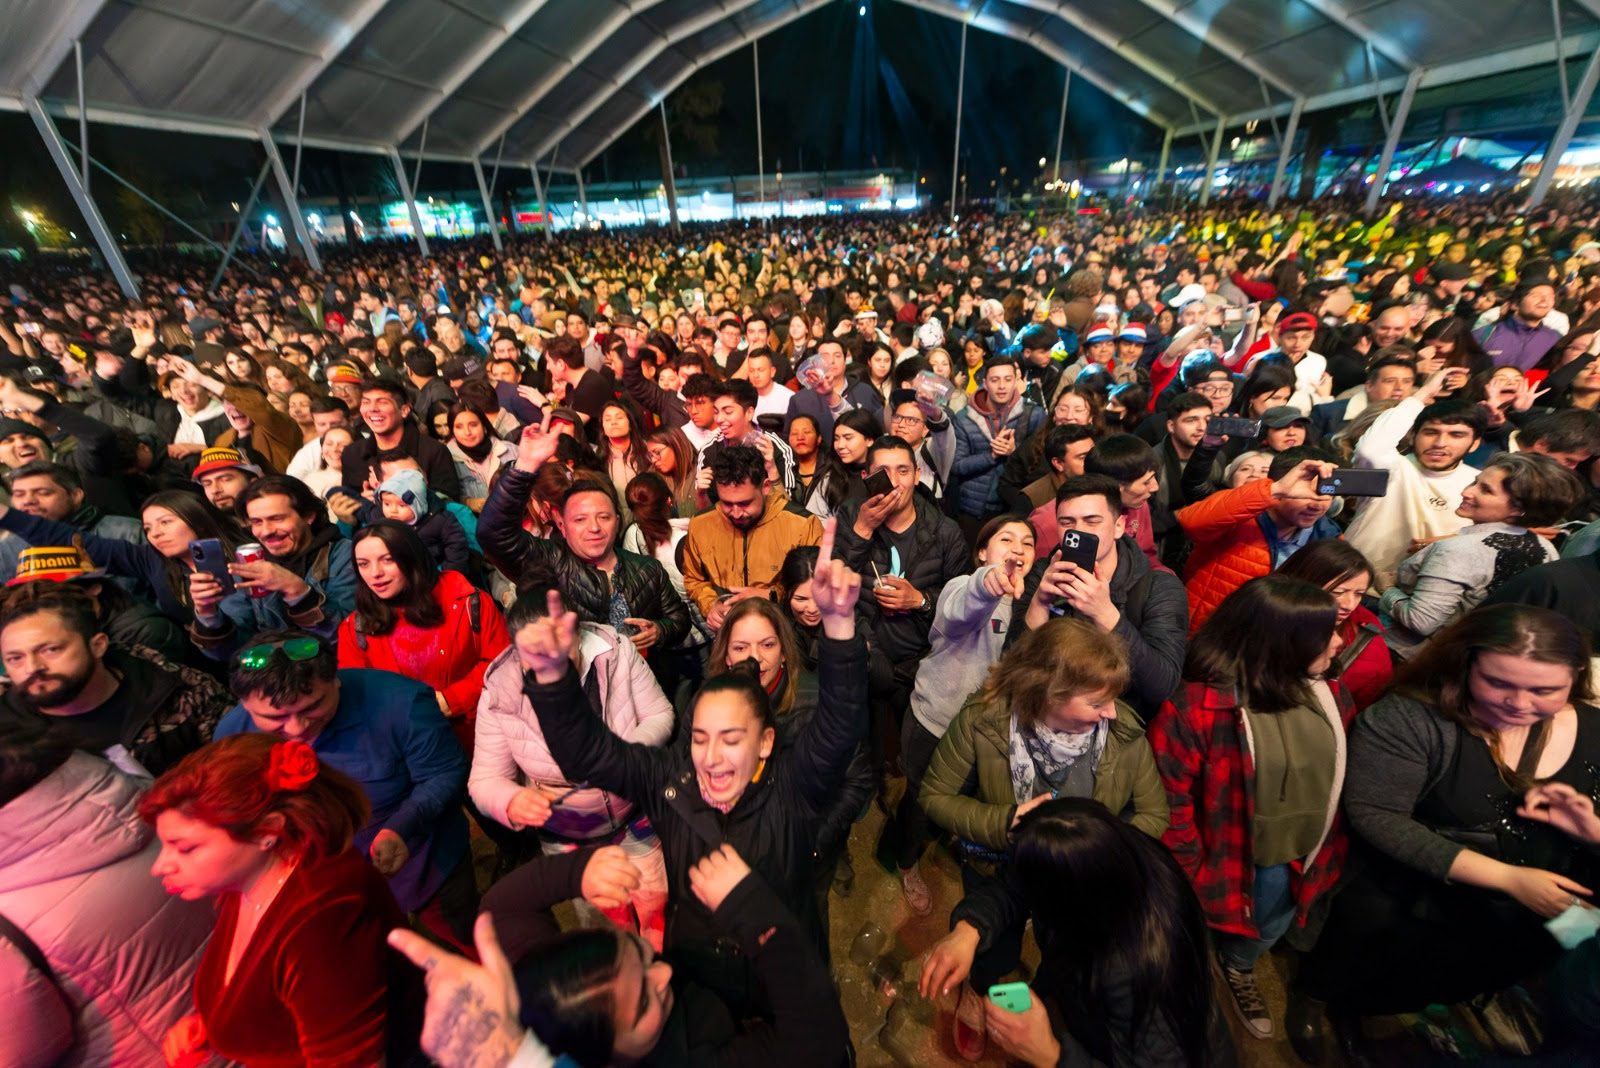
{"points": [[1206, 766]]}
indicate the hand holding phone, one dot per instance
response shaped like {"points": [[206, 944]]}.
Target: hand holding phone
{"points": [[1012, 997], [1232, 426], [1354, 482], [210, 558]]}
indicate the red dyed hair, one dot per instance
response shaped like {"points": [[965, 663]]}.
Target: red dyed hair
{"points": [[225, 785]]}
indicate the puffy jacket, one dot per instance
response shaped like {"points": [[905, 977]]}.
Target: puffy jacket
{"points": [[1230, 548], [468, 639], [1203, 751], [976, 468], [75, 876], [719, 556], [510, 751], [967, 788], [937, 553], [1367, 678], [528, 561], [773, 825]]}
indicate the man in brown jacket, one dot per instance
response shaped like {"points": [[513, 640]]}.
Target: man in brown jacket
{"points": [[735, 550]]}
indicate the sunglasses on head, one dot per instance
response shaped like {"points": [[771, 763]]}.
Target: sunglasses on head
{"points": [[296, 649]]}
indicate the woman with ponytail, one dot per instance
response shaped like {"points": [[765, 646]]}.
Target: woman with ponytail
{"points": [[297, 971]]}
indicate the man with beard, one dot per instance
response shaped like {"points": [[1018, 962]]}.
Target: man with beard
{"points": [[306, 580], [140, 712], [734, 550]]}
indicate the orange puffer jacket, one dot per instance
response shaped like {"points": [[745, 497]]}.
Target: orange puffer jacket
{"points": [[1229, 548]]}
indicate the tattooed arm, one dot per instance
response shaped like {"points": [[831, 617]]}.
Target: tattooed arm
{"points": [[471, 1019]]}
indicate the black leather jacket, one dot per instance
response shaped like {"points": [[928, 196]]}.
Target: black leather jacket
{"points": [[528, 561]]}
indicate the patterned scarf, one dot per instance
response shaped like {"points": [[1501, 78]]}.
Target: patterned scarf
{"points": [[1041, 751]]}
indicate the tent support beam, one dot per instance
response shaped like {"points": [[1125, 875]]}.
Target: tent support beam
{"points": [[488, 206], [1061, 125], [1211, 160], [239, 224], [668, 179], [291, 202], [91, 212], [1564, 132], [544, 209], [1284, 147], [1161, 168], [761, 157], [411, 201], [961, 94], [1397, 126]]}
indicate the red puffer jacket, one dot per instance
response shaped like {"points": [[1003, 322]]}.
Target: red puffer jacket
{"points": [[453, 655], [1229, 548], [1368, 676]]}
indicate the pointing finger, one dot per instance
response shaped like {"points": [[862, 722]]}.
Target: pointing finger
{"points": [[825, 547]]}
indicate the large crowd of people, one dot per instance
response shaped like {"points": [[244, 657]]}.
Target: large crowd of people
{"points": [[1210, 582]]}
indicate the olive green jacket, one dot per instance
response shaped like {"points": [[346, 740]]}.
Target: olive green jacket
{"points": [[967, 787]]}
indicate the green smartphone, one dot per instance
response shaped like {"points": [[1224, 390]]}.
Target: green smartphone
{"points": [[1012, 997]]}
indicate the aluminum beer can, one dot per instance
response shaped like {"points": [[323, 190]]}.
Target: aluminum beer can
{"points": [[249, 553]]}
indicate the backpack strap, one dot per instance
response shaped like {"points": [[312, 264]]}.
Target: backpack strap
{"points": [[474, 613], [29, 949], [1347, 656], [361, 632]]}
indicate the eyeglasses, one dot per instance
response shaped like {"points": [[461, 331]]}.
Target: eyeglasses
{"points": [[296, 649], [1215, 389], [913, 419]]}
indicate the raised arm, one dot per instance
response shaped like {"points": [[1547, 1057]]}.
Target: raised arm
{"points": [[509, 548], [823, 748]]}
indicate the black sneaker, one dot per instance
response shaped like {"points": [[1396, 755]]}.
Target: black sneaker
{"points": [[1246, 1000]]}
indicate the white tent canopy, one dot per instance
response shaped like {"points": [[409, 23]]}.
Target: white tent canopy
{"points": [[556, 81]]}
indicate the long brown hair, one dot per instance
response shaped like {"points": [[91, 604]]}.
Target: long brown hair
{"points": [[1440, 674], [1261, 642], [788, 647], [1058, 661]]}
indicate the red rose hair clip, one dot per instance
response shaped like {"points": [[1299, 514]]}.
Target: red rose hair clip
{"points": [[292, 767]]}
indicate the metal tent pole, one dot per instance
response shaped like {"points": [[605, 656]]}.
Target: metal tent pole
{"points": [[761, 159], [91, 212], [544, 209], [1284, 149], [1396, 126], [239, 227], [1161, 168], [669, 180], [83, 117], [583, 196], [1211, 160], [410, 199], [1564, 132], [961, 92], [488, 205], [291, 201], [1061, 127]]}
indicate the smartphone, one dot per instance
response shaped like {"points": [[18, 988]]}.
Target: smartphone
{"points": [[878, 484], [1354, 482], [1012, 997], [209, 557], [1233, 426], [1080, 547], [1232, 315]]}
